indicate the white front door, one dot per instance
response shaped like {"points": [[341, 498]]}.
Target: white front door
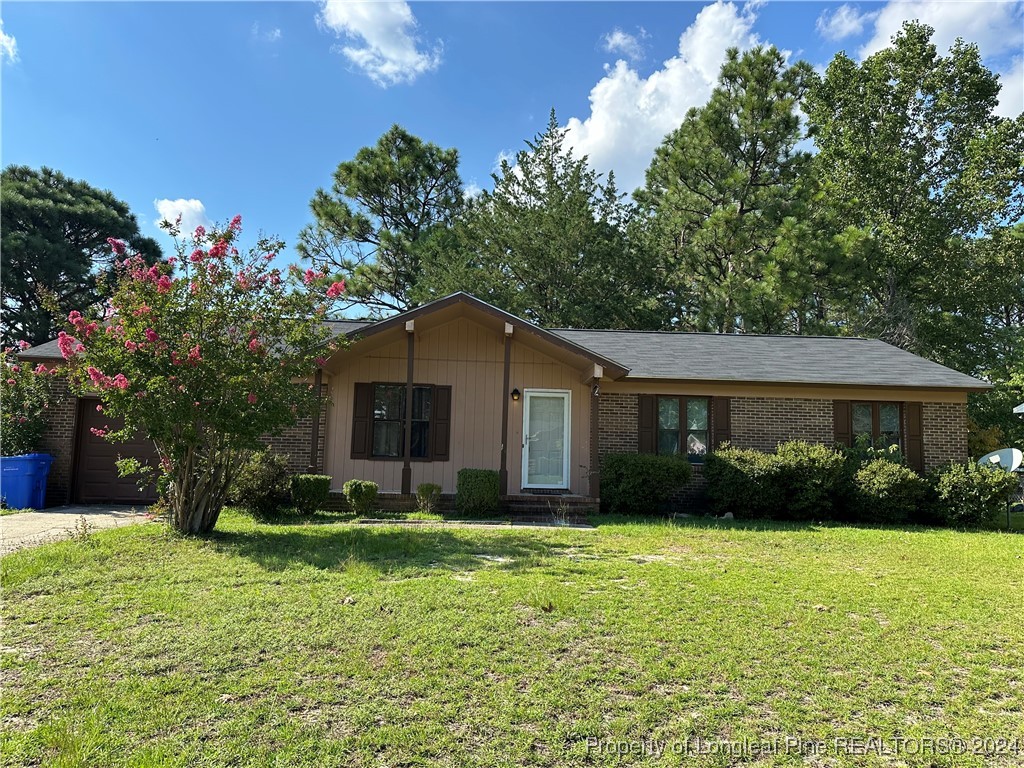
{"points": [[546, 438]]}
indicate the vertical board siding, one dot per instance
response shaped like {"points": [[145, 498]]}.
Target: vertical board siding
{"points": [[469, 358]]}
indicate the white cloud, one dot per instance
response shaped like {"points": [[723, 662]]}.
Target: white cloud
{"points": [[630, 114], [264, 36], [192, 211], [1011, 97], [8, 45], [506, 156], [997, 27], [845, 21], [390, 52], [631, 46]]}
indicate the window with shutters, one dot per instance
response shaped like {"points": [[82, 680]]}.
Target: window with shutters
{"points": [[378, 430], [683, 426], [880, 423]]}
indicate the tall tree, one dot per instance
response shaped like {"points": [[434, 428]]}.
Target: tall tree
{"points": [[387, 205], [54, 239], [728, 205], [913, 156], [548, 244]]}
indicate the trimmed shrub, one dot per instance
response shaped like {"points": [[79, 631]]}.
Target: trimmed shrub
{"points": [[638, 483], [310, 492], [261, 485], [478, 492], [427, 497], [361, 495], [810, 479], [744, 482], [967, 495], [886, 492]]}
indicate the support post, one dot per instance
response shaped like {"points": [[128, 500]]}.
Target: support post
{"points": [[505, 397], [595, 457], [314, 436], [407, 453]]}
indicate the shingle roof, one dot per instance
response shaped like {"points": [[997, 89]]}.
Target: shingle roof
{"points": [[768, 359]]}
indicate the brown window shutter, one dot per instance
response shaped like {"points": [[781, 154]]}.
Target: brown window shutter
{"points": [[915, 436], [722, 420], [843, 423], [441, 423], [362, 421], [647, 426]]}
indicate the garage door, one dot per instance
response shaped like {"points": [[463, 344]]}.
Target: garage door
{"points": [[96, 478]]}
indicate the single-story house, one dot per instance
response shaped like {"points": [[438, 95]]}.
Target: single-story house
{"points": [[458, 383]]}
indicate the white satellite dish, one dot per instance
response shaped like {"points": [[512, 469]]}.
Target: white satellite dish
{"points": [[1019, 410], [1009, 459]]}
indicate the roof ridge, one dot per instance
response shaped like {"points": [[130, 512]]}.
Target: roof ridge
{"points": [[716, 334]]}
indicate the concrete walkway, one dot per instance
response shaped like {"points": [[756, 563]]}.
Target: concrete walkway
{"points": [[27, 529]]}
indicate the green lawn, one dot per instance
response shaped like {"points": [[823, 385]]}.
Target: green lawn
{"points": [[326, 644]]}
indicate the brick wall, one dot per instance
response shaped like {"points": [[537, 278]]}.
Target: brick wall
{"points": [[945, 433], [59, 441], [294, 441], [617, 416], [764, 422]]}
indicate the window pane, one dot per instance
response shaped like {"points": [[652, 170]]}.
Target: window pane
{"points": [[421, 403], [697, 443], [668, 413], [668, 442], [388, 402], [387, 438], [420, 439], [697, 414], [889, 424], [862, 419]]}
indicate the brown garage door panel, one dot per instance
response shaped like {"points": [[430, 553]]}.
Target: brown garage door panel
{"points": [[96, 478]]}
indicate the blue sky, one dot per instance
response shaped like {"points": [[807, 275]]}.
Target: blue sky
{"points": [[248, 107]]}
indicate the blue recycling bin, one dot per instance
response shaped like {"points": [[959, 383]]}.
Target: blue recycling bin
{"points": [[23, 480]]}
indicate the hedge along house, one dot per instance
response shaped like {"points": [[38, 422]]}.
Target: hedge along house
{"points": [[458, 383]]}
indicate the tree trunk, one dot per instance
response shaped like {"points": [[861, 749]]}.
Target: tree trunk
{"points": [[199, 490]]}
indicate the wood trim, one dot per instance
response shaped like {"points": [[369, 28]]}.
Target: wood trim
{"points": [[314, 436], [842, 422], [721, 424], [647, 424], [612, 368], [755, 389], [913, 413], [595, 460], [505, 397], [407, 453]]}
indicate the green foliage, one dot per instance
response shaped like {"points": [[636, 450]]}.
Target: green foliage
{"points": [[811, 478], [639, 483], [743, 481], [886, 492], [54, 234], [310, 492], [914, 159], [201, 354], [25, 397], [729, 202], [361, 495], [388, 205], [548, 244], [478, 492], [427, 497], [261, 483], [967, 495]]}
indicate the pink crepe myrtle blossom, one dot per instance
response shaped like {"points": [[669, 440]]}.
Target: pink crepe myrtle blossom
{"points": [[130, 345], [99, 407], [197, 255], [120, 382], [11, 382], [144, 309], [40, 370], [336, 289], [98, 432], [321, 362], [16, 368], [200, 233], [236, 223], [163, 284], [23, 345], [219, 249], [254, 345], [151, 335], [251, 398], [117, 246], [69, 346], [194, 355]]}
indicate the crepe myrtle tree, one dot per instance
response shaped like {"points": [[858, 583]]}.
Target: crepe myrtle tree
{"points": [[202, 353]]}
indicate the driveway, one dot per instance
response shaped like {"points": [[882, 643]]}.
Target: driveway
{"points": [[28, 529]]}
